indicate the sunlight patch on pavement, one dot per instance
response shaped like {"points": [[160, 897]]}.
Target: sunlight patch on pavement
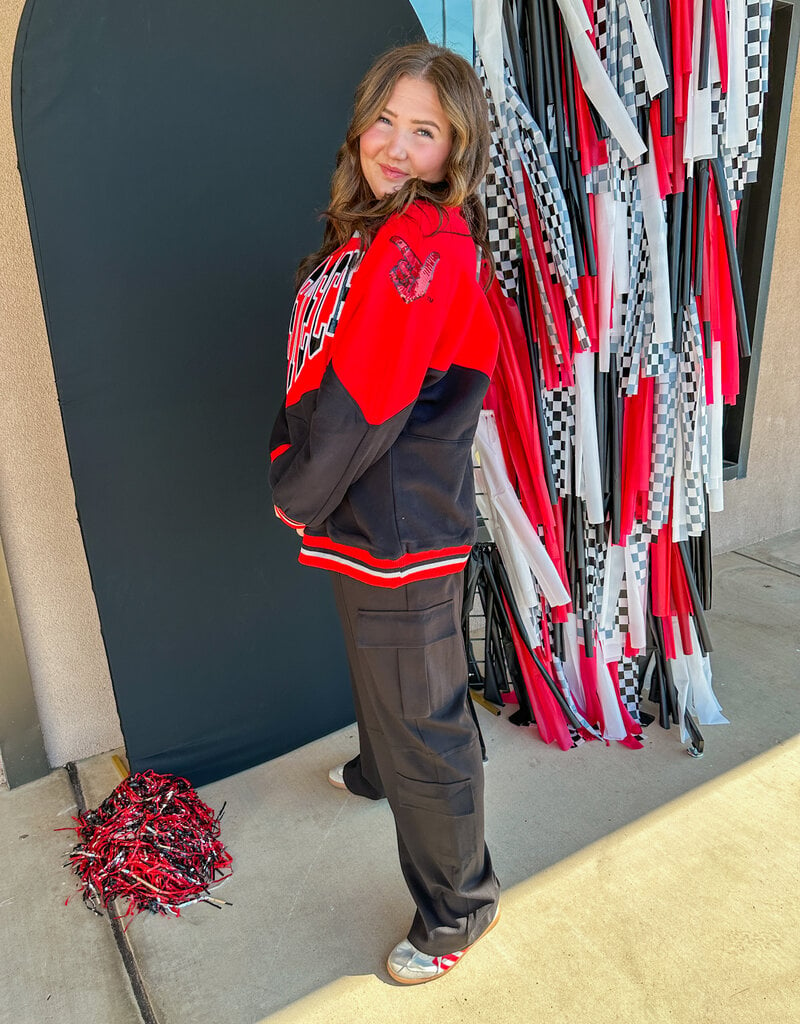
{"points": [[688, 914]]}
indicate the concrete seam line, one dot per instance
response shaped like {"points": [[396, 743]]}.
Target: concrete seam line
{"points": [[773, 563], [143, 1003]]}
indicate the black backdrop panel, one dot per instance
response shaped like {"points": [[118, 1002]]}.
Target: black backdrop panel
{"points": [[174, 159]]}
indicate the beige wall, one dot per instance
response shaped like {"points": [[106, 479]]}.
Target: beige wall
{"points": [[767, 502], [44, 551], [38, 522]]}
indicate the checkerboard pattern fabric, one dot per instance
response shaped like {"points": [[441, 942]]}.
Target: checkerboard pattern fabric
{"points": [[633, 334], [520, 153], [628, 669], [528, 145], [534, 617], [601, 32], [665, 400], [621, 618], [502, 231], [615, 635], [638, 317], [741, 165], [717, 117], [658, 355], [498, 193], [638, 546], [558, 406], [507, 194], [693, 434], [627, 54], [633, 315], [757, 25], [603, 178], [595, 542]]}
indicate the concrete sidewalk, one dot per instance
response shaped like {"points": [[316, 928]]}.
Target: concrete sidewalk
{"points": [[638, 885]]}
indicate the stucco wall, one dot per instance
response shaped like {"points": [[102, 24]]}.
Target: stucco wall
{"points": [[767, 501], [38, 522]]}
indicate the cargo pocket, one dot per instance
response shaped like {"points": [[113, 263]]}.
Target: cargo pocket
{"points": [[413, 655], [444, 812]]}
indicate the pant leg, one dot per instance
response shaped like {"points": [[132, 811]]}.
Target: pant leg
{"points": [[361, 775], [410, 674]]}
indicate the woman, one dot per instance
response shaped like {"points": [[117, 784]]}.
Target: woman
{"points": [[391, 346]]}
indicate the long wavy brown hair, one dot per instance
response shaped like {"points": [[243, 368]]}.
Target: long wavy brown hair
{"points": [[352, 205]]}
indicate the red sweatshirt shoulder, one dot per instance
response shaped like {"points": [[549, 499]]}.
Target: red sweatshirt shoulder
{"points": [[439, 229], [398, 307]]}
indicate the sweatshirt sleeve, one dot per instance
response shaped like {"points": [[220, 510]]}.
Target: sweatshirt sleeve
{"points": [[381, 352]]}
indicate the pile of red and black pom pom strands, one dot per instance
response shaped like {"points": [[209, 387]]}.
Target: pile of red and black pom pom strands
{"points": [[152, 842]]}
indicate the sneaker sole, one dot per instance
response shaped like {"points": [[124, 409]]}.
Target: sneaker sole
{"points": [[337, 785], [436, 977]]}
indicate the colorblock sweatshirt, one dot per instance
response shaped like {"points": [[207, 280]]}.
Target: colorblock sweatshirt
{"points": [[389, 358]]}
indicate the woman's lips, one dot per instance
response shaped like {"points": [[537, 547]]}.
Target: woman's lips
{"points": [[392, 172]]}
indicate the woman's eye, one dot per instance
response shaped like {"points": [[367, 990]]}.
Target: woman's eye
{"points": [[424, 131], [384, 119]]}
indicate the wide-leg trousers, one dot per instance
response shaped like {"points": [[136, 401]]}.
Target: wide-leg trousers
{"points": [[419, 748]]}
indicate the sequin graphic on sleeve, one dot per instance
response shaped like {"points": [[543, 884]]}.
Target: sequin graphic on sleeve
{"points": [[410, 276]]}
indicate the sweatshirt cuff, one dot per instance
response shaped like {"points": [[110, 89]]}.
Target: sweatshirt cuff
{"points": [[289, 522]]}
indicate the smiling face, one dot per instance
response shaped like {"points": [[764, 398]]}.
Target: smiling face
{"points": [[411, 138]]}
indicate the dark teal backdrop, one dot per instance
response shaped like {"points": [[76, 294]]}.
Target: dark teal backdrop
{"points": [[174, 158]]}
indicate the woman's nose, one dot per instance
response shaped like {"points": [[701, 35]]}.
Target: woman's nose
{"points": [[397, 147]]}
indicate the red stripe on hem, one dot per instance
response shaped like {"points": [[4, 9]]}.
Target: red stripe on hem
{"points": [[326, 544], [430, 572]]}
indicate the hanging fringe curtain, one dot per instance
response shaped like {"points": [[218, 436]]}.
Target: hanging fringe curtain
{"points": [[623, 135]]}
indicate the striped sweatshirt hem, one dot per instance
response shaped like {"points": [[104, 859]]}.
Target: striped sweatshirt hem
{"points": [[323, 553]]}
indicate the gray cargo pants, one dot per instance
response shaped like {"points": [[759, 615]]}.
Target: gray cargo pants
{"points": [[419, 747]]}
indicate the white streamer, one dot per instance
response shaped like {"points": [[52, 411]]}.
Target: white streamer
{"points": [[596, 83], [655, 226], [736, 111], [605, 214], [715, 499], [612, 716], [697, 143], [488, 27], [612, 584], [691, 674], [637, 603], [510, 512], [587, 452]]}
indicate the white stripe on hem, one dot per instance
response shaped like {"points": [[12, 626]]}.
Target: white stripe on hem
{"points": [[383, 574]]}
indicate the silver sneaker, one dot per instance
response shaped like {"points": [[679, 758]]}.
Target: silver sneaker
{"points": [[410, 966], [336, 776]]}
